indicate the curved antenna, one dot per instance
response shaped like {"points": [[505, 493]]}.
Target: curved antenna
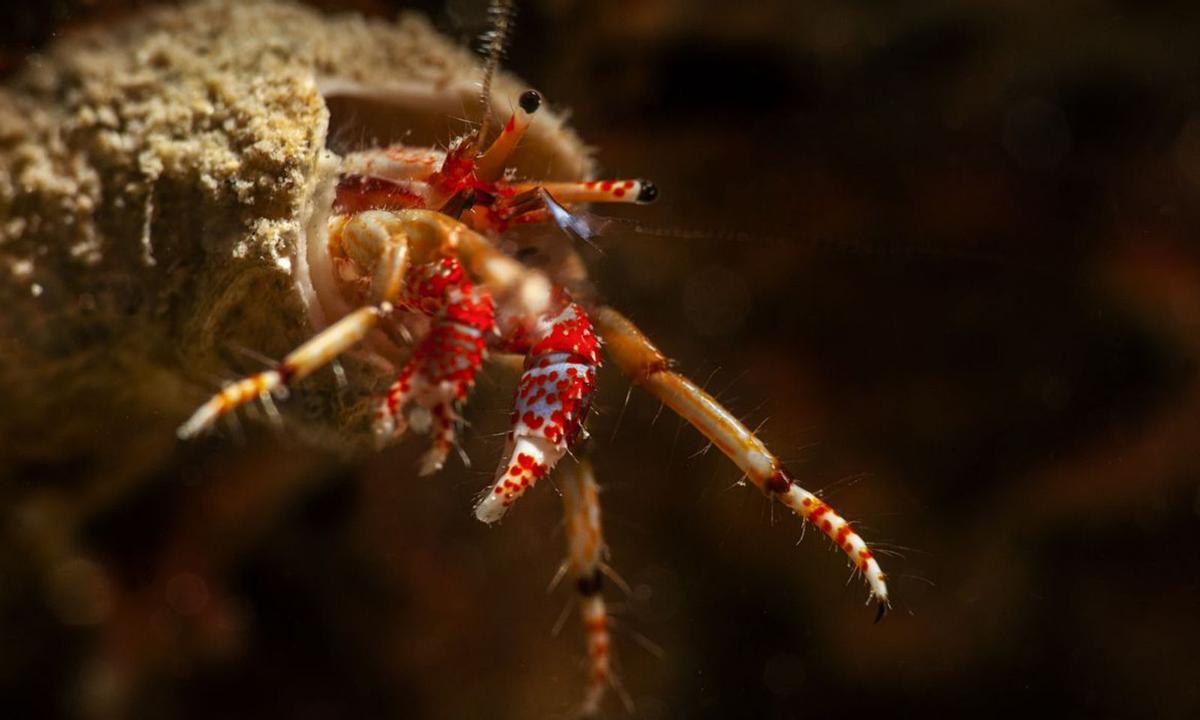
{"points": [[495, 39]]}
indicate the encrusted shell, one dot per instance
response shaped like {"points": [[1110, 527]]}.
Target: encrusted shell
{"points": [[159, 180]]}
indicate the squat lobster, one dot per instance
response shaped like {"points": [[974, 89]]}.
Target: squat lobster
{"points": [[411, 246]]}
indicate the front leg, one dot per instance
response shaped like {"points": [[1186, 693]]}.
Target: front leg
{"points": [[376, 256], [301, 362]]}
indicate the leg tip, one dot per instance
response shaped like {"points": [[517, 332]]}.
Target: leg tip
{"points": [[386, 429], [489, 510], [648, 192], [881, 611], [199, 422]]}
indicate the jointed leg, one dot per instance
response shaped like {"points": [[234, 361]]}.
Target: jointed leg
{"points": [[585, 555], [596, 191], [372, 249], [442, 369], [646, 366], [301, 362]]}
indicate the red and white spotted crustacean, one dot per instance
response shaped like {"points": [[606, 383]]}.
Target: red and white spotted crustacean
{"points": [[412, 243]]}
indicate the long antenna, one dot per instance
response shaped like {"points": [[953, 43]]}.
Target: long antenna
{"points": [[494, 40]]}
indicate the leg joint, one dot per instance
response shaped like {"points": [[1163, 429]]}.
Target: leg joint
{"points": [[778, 483], [590, 585]]}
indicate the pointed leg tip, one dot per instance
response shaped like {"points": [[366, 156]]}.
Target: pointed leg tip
{"points": [[881, 611], [189, 434], [382, 439], [387, 431], [431, 463], [489, 512], [195, 426]]}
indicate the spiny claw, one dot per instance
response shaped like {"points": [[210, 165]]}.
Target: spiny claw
{"points": [[530, 458]]}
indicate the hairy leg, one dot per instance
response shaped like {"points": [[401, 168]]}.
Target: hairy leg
{"points": [[301, 362], [441, 371], [585, 558], [648, 368]]}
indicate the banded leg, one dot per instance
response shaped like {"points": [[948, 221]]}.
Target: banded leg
{"points": [[551, 403], [585, 555], [640, 192], [645, 366], [300, 363]]}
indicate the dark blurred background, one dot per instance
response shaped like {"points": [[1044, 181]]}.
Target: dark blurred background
{"points": [[946, 252]]}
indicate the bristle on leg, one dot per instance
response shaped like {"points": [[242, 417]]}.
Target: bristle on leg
{"points": [[647, 367], [836, 528]]}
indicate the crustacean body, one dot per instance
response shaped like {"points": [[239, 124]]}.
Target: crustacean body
{"points": [[218, 195]]}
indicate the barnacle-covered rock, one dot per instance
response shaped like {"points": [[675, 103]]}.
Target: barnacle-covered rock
{"points": [[162, 184]]}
